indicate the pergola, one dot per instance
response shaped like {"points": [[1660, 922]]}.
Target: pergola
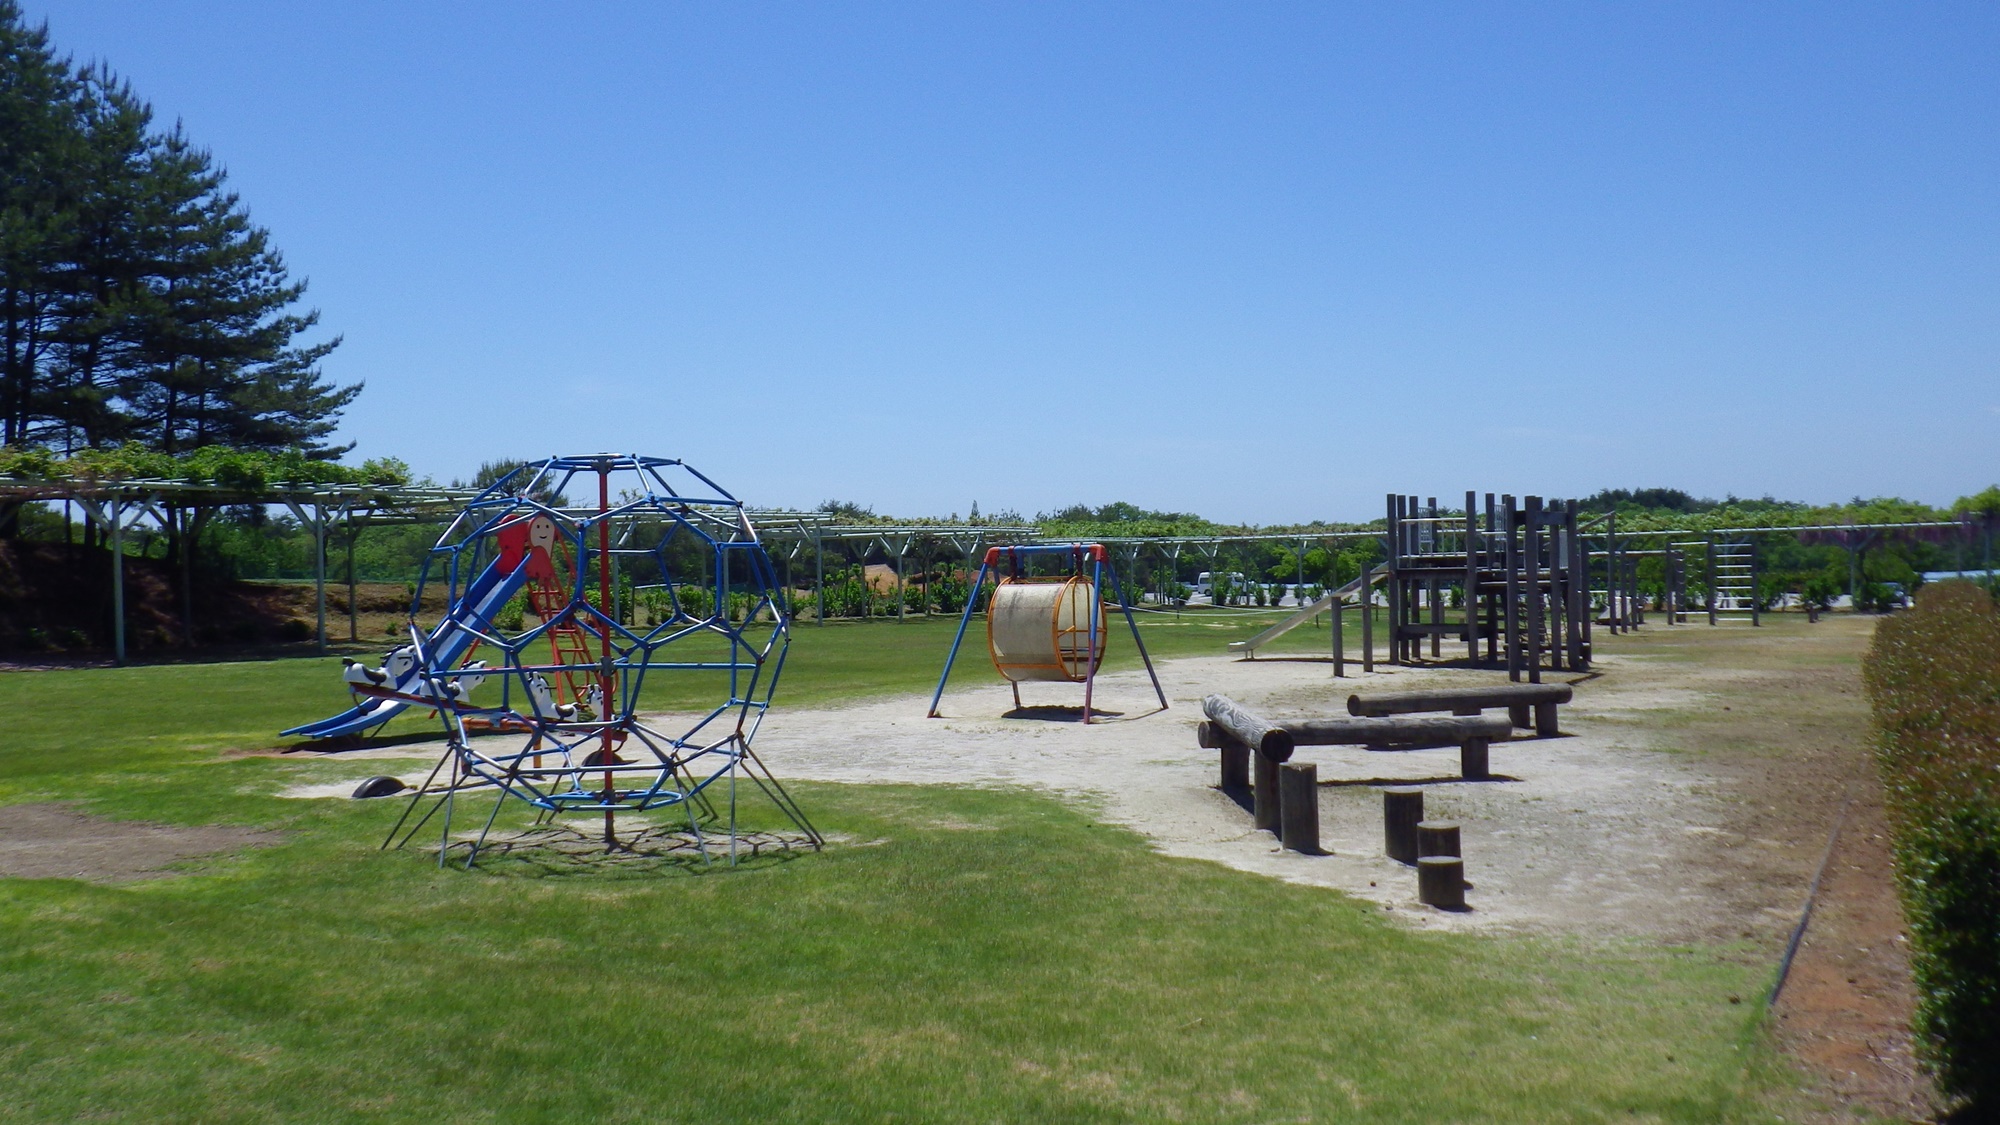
{"points": [[121, 505]]}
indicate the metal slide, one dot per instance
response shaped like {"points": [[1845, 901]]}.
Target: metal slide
{"points": [[449, 641], [1324, 604]]}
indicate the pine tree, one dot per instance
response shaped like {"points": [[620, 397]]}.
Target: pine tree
{"points": [[38, 148], [137, 299]]}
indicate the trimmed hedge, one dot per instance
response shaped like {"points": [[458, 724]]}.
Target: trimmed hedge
{"points": [[1933, 677]]}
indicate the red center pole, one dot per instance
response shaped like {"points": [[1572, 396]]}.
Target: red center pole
{"points": [[604, 599]]}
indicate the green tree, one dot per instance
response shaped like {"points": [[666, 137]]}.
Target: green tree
{"points": [[138, 302]]}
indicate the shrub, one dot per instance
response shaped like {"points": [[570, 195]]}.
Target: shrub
{"points": [[697, 601], [509, 616], [296, 629], [1933, 678], [1819, 589], [949, 592]]}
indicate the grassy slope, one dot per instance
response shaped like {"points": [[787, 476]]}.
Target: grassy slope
{"points": [[988, 956]]}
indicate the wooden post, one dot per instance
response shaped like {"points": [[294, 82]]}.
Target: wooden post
{"points": [[1545, 720], [1433, 588], [1368, 618], [1235, 767], [1402, 808], [1235, 756], [1579, 592], [1298, 802], [1512, 565], [1532, 543], [1472, 760], [1395, 577], [1492, 599], [1437, 837], [1441, 881], [1471, 580], [1518, 714], [1339, 642], [1265, 811]]}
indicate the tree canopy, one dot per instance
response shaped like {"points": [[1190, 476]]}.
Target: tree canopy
{"points": [[138, 301]]}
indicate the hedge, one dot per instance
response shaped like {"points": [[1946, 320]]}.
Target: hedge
{"points": [[1933, 678]]}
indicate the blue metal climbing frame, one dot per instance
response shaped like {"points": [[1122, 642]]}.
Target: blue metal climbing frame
{"points": [[533, 577]]}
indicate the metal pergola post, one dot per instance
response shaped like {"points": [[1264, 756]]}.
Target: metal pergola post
{"points": [[117, 521]]}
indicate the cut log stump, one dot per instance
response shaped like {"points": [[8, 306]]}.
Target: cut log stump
{"points": [[1437, 837], [1402, 808], [1298, 807], [1441, 881]]}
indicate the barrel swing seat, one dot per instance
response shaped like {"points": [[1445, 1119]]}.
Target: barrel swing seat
{"points": [[1046, 630]]}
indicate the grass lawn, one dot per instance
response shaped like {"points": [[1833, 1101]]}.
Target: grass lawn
{"points": [[965, 955]]}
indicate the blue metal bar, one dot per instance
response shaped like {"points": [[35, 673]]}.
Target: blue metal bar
{"points": [[971, 600]]}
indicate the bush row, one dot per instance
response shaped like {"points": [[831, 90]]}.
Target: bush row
{"points": [[1933, 679]]}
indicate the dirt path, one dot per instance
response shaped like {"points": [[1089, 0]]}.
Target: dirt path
{"points": [[54, 841]]}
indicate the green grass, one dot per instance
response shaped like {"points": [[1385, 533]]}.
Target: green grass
{"points": [[965, 955]]}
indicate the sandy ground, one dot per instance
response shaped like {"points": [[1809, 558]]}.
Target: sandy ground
{"points": [[1597, 830]]}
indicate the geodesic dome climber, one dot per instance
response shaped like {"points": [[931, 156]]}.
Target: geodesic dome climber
{"points": [[544, 571], [1050, 627]]}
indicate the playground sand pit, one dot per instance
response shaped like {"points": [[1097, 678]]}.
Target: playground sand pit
{"points": [[55, 841], [1595, 831], [1620, 826]]}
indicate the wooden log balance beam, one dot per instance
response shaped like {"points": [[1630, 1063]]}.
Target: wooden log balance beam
{"points": [[1472, 735], [1248, 728], [1242, 734], [1517, 698]]}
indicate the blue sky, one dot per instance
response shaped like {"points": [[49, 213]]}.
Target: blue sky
{"points": [[1261, 262]]}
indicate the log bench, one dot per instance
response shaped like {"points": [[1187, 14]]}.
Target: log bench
{"points": [[1233, 730], [1518, 699]]}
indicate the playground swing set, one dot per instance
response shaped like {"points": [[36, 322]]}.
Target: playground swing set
{"points": [[1047, 628]]}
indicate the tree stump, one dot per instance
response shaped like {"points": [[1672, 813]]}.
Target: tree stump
{"points": [[1298, 804], [1441, 881], [1437, 837], [1402, 808], [1265, 812], [1472, 762]]}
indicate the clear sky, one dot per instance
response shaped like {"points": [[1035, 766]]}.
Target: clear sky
{"points": [[1263, 262]]}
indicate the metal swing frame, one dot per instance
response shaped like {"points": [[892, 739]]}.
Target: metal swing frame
{"points": [[1079, 555]]}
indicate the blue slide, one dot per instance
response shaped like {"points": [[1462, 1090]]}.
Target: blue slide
{"points": [[448, 642]]}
